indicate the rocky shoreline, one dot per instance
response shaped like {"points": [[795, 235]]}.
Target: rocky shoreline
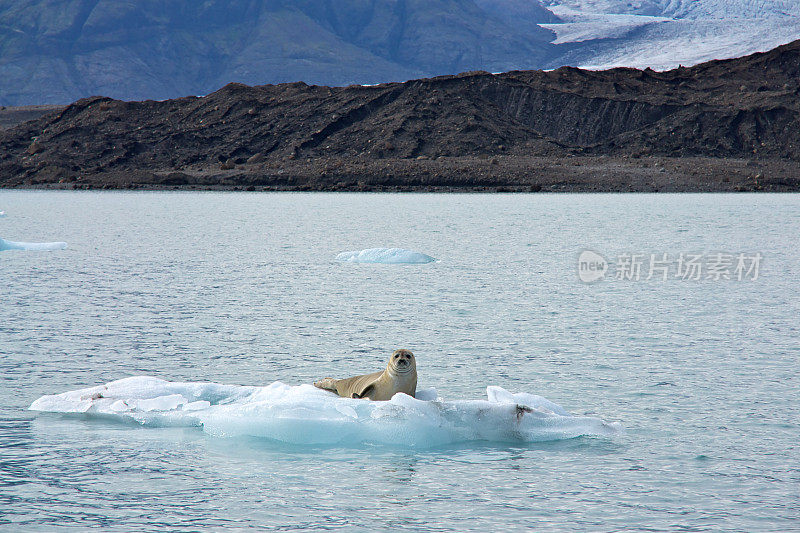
{"points": [[496, 174]]}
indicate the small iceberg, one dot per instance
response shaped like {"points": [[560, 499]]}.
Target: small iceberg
{"points": [[2, 214], [306, 415], [385, 255], [11, 245]]}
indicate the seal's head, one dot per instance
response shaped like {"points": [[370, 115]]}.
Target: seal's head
{"points": [[402, 361]]}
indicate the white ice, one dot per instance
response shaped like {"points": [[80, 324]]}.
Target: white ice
{"points": [[385, 255], [664, 34], [11, 245], [590, 26], [304, 414]]}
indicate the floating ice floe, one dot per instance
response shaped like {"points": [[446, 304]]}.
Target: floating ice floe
{"points": [[385, 255], [11, 245], [306, 415]]}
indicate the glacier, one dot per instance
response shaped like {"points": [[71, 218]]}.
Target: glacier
{"points": [[385, 255], [36, 246], [664, 34], [303, 414]]}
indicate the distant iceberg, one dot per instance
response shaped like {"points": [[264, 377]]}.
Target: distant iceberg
{"points": [[11, 245], [306, 415], [2, 214], [385, 255]]}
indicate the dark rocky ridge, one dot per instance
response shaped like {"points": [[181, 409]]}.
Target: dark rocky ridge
{"points": [[723, 125]]}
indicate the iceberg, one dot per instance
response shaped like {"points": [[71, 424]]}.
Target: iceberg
{"points": [[11, 245], [303, 414], [385, 255], [2, 214]]}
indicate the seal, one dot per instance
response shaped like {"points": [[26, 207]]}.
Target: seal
{"points": [[400, 375]]}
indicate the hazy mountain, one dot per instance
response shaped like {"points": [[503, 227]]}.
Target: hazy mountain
{"points": [[58, 51]]}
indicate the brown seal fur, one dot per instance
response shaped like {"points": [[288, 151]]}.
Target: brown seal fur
{"points": [[400, 375]]}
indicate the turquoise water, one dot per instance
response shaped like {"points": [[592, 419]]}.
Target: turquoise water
{"points": [[244, 289]]}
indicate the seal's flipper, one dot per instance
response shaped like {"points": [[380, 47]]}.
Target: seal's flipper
{"points": [[357, 384], [326, 384], [364, 393]]}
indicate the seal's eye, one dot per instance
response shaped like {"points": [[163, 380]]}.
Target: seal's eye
{"points": [[397, 356]]}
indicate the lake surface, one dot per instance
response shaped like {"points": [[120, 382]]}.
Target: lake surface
{"points": [[243, 288]]}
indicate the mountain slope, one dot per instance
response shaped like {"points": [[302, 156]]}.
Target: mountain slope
{"points": [[57, 52]]}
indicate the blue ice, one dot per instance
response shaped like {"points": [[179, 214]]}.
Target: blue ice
{"points": [[304, 414], [385, 255], [11, 245]]}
